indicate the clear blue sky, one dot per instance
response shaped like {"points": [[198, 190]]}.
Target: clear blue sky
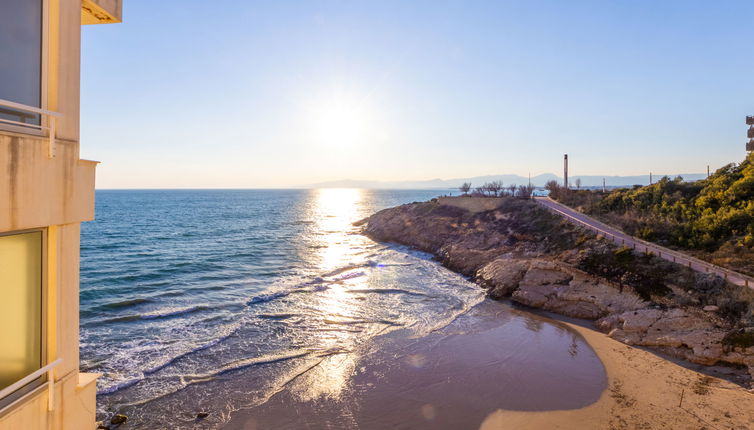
{"points": [[241, 93]]}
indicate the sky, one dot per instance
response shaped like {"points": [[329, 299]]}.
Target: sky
{"points": [[264, 94]]}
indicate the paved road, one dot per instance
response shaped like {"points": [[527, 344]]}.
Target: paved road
{"points": [[621, 238]]}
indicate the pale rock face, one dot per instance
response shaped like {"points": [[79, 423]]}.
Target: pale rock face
{"points": [[502, 276], [562, 289], [688, 334], [534, 295]]}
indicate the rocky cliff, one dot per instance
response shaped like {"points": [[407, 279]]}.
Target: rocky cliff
{"points": [[520, 251]]}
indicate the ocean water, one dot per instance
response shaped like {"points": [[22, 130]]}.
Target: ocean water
{"points": [[195, 300]]}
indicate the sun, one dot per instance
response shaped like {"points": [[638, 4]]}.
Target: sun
{"points": [[340, 123]]}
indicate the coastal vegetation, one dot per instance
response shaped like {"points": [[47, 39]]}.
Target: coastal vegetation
{"points": [[497, 189], [712, 219]]}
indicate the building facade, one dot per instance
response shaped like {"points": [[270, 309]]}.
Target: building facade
{"points": [[46, 191]]}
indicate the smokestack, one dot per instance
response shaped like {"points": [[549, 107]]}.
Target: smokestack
{"points": [[565, 171]]}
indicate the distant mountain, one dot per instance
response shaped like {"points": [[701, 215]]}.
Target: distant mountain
{"points": [[538, 180]]}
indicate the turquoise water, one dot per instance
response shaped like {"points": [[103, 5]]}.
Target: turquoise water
{"points": [[215, 300]]}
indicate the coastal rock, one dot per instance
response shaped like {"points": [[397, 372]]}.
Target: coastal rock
{"points": [[502, 276], [534, 295], [560, 289], [118, 419], [687, 334], [513, 252], [546, 273], [465, 260]]}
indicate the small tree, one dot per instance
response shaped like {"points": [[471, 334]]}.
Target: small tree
{"points": [[512, 189], [525, 191], [578, 183], [495, 187], [465, 187], [553, 187]]}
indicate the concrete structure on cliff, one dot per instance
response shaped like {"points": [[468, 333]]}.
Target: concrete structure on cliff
{"points": [[46, 191]]}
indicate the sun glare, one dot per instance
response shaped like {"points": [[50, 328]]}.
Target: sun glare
{"points": [[340, 122]]}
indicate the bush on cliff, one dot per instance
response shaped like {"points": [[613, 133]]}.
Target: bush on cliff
{"points": [[713, 218]]}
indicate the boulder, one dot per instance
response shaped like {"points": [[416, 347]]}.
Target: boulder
{"points": [[118, 419], [501, 276]]}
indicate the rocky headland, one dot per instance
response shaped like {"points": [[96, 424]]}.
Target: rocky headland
{"points": [[515, 249]]}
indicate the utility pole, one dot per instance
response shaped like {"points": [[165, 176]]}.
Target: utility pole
{"points": [[565, 171]]}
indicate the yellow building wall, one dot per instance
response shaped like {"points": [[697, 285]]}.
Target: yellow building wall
{"points": [[74, 407], [37, 191], [75, 393]]}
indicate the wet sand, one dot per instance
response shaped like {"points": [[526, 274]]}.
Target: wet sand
{"points": [[494, 357], [645, 392]]}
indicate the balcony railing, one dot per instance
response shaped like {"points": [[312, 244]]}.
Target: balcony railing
{"points": [[43, 126], [5, 392]]}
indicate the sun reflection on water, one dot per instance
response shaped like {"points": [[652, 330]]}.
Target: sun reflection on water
{"points": [[335, 210], [339, 251]]}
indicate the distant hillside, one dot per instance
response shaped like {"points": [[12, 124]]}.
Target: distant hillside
{"points": [[538, 180], [713, 218]]}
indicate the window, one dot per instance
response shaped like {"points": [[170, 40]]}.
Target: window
{"points": [[21, 58], [21, 317]]}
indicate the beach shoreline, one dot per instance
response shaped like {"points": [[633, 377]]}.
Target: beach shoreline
{"points": [[644, 391], [452, 378], [641, 390]]}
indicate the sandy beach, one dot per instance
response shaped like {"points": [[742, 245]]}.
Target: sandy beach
{"points": [[644, 392], [492, 357], [464, 377]]}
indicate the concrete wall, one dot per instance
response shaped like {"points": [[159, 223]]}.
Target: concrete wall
{"points": [[74, 408], [74, 397], [36, 191], [56, 194]]}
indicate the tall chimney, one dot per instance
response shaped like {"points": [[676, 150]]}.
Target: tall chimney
{"points": [[565, 171]]}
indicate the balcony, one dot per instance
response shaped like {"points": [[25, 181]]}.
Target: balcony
{"points": [[45, 127]]}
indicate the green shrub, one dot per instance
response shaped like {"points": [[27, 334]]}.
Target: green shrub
{"points": [[739, 339]]}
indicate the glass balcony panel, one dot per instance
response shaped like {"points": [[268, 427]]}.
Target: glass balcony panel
{"points": [[20, 306], [21, 54]]}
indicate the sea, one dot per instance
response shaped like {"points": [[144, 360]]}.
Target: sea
{"points": [[214, 300]]}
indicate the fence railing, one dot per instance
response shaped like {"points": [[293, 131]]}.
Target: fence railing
{"points": [[48, 125], [48, 369], [648, 247]]}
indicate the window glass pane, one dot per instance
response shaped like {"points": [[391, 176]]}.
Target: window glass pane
{"points": [[20, 306], [21, 57]]}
